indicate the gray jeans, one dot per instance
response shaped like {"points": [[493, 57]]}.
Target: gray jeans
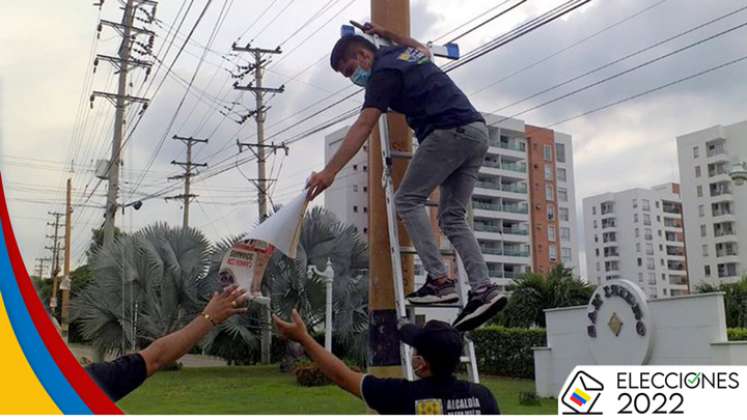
{"points": [[450, 159]]}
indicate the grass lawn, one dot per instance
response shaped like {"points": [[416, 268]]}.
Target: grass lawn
{"points": [[264, 390]]}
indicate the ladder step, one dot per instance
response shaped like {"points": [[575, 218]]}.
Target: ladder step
{"points": [[396, 154], [465, 359], [409, 250], [431, 204], [434, 305]]}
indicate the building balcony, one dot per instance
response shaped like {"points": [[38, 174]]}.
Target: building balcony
{"points": [[508, 144], [676, 251], [676, 266], [670, 223], [676, 280]]}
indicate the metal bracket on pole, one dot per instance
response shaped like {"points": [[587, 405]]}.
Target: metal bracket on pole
{"points": [[449, 51]]}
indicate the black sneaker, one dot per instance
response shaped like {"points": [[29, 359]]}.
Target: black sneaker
{"points": [[480, 308], [431, 293]]}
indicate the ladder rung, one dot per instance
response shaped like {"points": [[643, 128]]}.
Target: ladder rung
{"points": [[431, 204], [465, 359], [434, 305], [408, 250], [396, 154]]}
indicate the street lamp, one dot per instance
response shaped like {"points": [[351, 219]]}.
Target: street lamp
{"points": [[738, 172], [328, 275]]}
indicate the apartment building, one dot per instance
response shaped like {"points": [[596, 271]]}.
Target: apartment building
{"points": [[638, 235], [714, 207]]}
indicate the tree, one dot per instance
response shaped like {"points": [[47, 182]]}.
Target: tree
{"points": [[735, 300], [146, 286], [532, 293], [97, 239]]}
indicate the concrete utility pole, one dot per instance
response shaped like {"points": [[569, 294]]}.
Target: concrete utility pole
{"points": [[259, 116], [40, 266], [65, 284], [383, 344], [55, 248], [262, 181], [123, 63], [188, 174]]}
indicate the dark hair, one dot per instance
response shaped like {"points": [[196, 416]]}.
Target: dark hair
{"points": [[442, 366], [346, 46]]}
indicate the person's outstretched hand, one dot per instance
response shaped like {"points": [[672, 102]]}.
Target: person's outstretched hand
{"points": [[227, 303], [295, 330], [318, 182]]}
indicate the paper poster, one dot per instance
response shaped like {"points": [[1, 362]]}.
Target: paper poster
{"points": [[244, 264]]}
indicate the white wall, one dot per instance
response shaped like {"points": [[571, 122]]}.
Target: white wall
{"points": [[687, 330]]}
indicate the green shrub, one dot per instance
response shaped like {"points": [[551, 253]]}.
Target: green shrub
{"points": [[736, 334], [310, 375], [507, 351]]}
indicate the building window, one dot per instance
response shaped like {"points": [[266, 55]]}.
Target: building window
{"points": [[597, 252], [596, 238], [705, 250], [635, 217], [656, 203], [553, 253], [703, 231], [562, 174], [355, 209], [562, 194], [365, 189], [707, 270], [700, 190], [548, 153], [565, 234], [646, 205], [365, 209], [640, 277], [659, 232], [365, 168], [650, 264], [550, 213], [548, 192], [637, 247], [647, 235], [696, 152], [658, 219], [594, 210], [594, 223], [649, 249], [697, 172], [565, 254], [560, 152], [355, 188], [701, 210], [635, 203], [647, 219], [551, 233], [355, 167], [564, 216], [548, 171], [637, 232], [640, 261]]}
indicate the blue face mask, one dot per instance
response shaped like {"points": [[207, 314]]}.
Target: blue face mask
{"points": [[360, 77]]}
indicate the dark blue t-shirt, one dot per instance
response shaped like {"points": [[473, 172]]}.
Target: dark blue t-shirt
{"points": [[406, 81], [427, 396]]}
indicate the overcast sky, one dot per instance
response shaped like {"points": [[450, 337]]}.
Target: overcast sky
{"points": [[46, 75]]}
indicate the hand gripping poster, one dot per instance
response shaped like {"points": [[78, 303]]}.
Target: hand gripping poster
{"points": [[244, 264]]}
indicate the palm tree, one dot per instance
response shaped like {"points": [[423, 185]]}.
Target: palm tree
{"points": [[532, 293], [145, 285]]}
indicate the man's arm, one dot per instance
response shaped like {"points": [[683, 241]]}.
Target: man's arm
{"points": [[372, 28], [332, 367], [353, 141], [170, 348]]}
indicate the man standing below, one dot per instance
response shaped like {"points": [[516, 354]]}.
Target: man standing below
{"points": [[438, 347], [452, 138]]}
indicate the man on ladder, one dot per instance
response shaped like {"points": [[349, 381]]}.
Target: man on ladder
{"points": [[453, 142]]}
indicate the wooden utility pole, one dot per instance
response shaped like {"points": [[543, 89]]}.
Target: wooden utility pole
{"points": [[262, 181], [65, 284], [383, 344], [188, 174], [40, 266]]}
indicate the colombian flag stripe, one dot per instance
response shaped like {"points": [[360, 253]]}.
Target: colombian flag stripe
{"points": [[582, 394], [64, 379], [576, 399]]}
